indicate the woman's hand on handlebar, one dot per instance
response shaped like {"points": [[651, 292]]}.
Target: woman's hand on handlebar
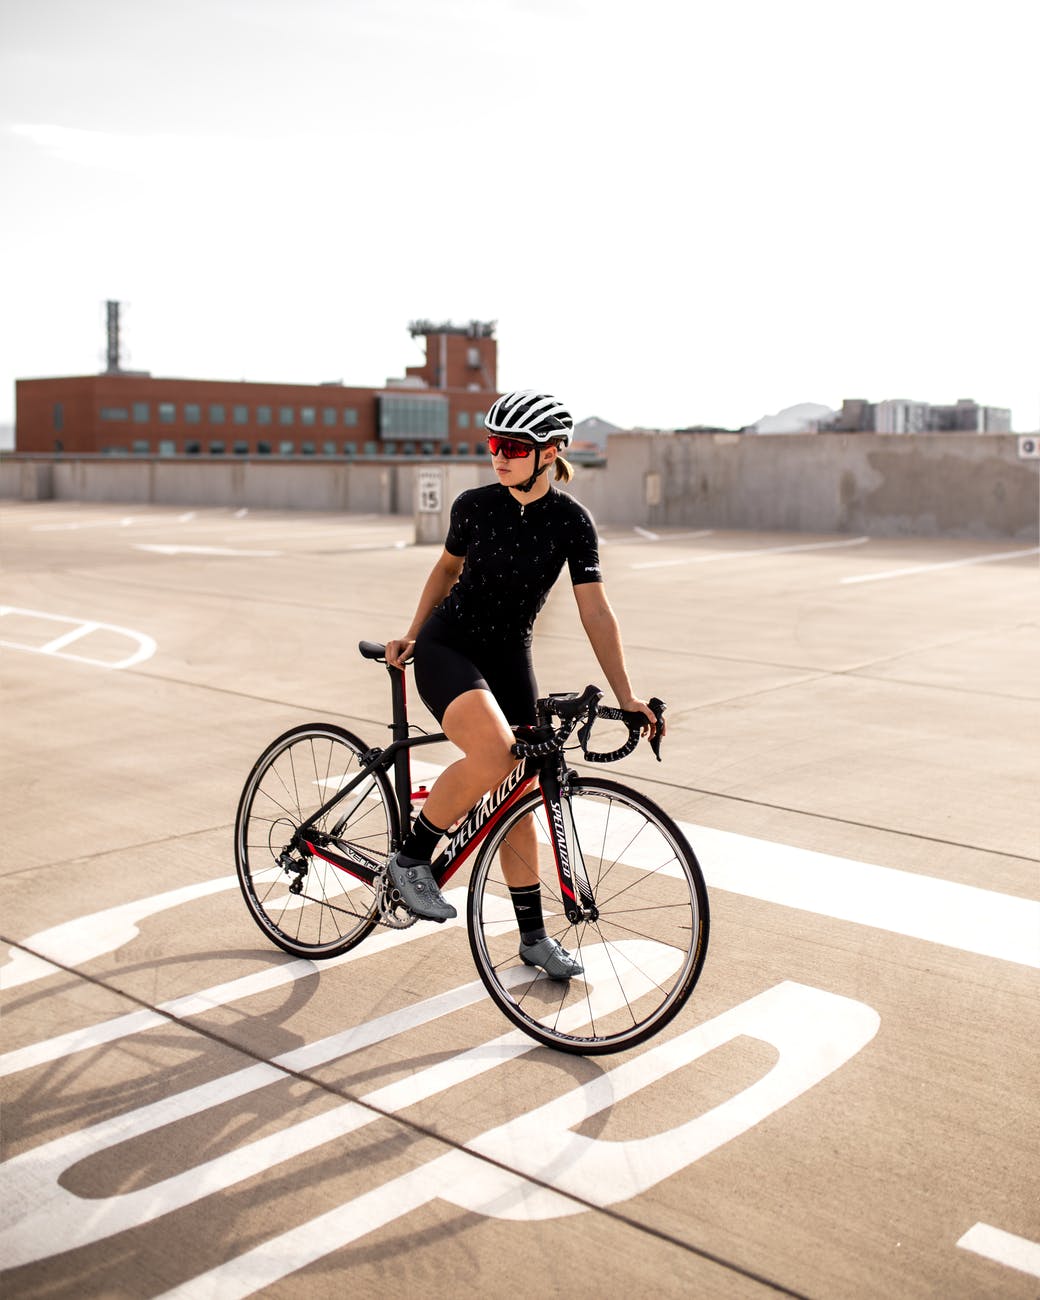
{"points": [[632, 705], [399, 652]]}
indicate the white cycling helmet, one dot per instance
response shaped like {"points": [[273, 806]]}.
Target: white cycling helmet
{"points": [[533, 416]]}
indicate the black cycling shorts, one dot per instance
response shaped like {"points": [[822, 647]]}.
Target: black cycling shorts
{"points": [[447, 665]]}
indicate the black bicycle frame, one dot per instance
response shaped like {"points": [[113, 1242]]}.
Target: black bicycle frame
{"points": [[579, 902]]}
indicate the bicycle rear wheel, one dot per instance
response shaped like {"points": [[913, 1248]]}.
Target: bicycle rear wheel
{"points": [[644, 952], [311, 908]]}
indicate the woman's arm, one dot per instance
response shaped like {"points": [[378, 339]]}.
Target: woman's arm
{"points": [[601, 627], [443, 576]]}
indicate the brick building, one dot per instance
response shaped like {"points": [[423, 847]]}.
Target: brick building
{"points": [[438, 408]]}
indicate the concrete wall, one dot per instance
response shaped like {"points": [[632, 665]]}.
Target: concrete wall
{"points": [[941, 485]]}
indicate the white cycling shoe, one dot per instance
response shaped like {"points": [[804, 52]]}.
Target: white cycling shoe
{"points": [[552, 957]]}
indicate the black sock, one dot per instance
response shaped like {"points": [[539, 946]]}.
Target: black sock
{"points": [[527, 904], [421, 840]]}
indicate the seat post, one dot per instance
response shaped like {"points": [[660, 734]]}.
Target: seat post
{"points": [[398, 732]]}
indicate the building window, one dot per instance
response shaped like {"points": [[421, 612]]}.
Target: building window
{"points": [[349, 449], [263, 449], [463, 448], [407, 418], [286, 448], [115, 413], [192, 448], [285, 415], [478, 419], [241, 448], [462, 419], [445, 448], [263, 415], [328, 416], [113, 451], [216, 413], [307, 449], [142, 447], [240, 414], [371, 448], [329, 448], [349, 417], [141, 413], [167, 447], [192, 413], [216, 449], [167, 412], [308, 415], [58, 417]]}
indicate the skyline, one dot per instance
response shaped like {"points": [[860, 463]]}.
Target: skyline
{"points": [[705, 216]]}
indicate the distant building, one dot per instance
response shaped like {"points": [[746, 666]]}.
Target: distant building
{"points": [[900, 415], [438, 408]]}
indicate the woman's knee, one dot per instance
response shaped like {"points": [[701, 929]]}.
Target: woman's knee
{"points": [[474, 722]]}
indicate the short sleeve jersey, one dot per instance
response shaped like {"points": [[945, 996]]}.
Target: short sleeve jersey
{"points": [[513, 556]]}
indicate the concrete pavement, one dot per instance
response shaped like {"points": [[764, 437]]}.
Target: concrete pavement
{"points": [[849, 1094]]}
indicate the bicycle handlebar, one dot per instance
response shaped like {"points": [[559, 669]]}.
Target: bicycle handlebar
{"points": [[570, 708]]}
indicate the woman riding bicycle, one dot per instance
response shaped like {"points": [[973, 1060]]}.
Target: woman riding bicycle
{"points": [[471, 637]]}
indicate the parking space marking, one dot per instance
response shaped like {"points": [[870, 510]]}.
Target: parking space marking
{"points": [[750, 554], [1003, 1248], [943, 564], [170, 549], [81, 627]]}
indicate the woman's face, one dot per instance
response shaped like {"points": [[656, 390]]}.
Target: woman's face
{"points": [[514, 472]]}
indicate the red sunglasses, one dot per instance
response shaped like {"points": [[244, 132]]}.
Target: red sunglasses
{"points": [[508, 447]]}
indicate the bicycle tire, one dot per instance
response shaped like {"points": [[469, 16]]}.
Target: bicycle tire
{"points": [[643, 954], [289, 782]]}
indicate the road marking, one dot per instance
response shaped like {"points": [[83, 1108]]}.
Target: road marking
{"points": [[980, 921], [124, 522], [1003, 1248], [812, 1031], [645, 532], [944, 564], [146, 646], [749, 554], [201, 550]]}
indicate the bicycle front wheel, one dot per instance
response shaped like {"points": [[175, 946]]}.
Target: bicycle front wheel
{"points": [[311, 908], [643, 952]]}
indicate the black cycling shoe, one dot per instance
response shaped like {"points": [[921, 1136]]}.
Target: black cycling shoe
{"points": [[552, 957], [419, 892]]}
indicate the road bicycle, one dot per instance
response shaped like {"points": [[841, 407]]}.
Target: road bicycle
{"points": [[622, 889]]}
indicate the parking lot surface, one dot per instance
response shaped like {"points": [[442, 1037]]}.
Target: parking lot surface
{"points": [[847, 1105]]}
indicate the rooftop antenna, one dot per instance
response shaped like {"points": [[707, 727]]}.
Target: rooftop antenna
{"points": [[112, 336]]}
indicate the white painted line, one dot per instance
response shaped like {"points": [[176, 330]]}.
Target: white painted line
{"points": [[241, 514], [146, 646], [645, 532], [749, 554], [60, 642], [1003, 1248], [186, 518], [964, 917], [945, 564], [201, 550]]}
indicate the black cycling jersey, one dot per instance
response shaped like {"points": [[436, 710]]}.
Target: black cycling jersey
{"points": [[479, 637], [514, 553]]}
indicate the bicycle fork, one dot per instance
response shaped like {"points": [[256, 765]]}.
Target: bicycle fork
{"points": [[578, 897]]}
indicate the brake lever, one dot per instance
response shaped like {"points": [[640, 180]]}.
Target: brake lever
{"points": [[657, 708], [585, 730]]}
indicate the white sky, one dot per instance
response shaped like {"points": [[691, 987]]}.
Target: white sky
{"points": [[678, 211]]}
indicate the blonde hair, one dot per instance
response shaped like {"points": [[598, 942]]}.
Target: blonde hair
{"points": [[563, 468]]}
